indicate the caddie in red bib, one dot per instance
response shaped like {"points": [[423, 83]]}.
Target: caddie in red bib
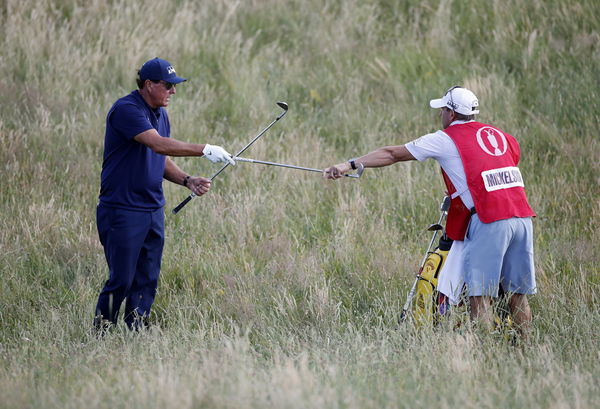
{"points": [[489, 217], [490, 159]]}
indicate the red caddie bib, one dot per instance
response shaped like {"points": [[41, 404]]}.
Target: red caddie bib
{"points": [[490, 159]]}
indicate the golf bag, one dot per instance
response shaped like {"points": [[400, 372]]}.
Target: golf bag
{"points": [[428, 302], [425, 283]]}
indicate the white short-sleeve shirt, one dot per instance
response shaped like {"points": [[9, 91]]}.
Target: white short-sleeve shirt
{"points": [[441, 147]]}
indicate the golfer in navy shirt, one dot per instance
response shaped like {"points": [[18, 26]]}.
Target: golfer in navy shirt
{"points": [[130, 214]]}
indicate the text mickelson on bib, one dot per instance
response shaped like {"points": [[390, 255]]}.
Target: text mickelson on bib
{"points": [[503, 178]]}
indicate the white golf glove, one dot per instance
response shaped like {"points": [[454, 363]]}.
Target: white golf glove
{"points": [[217, 154]]}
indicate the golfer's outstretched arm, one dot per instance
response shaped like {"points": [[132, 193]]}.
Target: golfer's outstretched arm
{"points": [[168, 146], [384, 156], [173, 147]]}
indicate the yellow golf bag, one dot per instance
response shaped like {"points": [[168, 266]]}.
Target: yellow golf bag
{"points": [[426, 281], [426, 299]]}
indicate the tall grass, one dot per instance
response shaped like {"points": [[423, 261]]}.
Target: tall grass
{"points": [[279, 289]]}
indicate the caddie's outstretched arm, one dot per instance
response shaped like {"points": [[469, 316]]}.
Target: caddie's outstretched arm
{"points": [[378, 158]]}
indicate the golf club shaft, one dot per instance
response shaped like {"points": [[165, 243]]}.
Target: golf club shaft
{"points": [[250, 143], [192, 195], [284, 165], [411, 294], [444, 207]]}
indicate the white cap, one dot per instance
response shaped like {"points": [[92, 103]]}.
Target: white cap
{"points": [[458, 99]]}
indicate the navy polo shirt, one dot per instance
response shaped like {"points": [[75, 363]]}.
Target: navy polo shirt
{"points": [[132, 173]]}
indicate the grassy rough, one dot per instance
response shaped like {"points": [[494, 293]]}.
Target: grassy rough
{"points": [[279, 289]]}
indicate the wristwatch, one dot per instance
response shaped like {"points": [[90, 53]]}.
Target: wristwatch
{"points": [[352, 164], [185, 180]]}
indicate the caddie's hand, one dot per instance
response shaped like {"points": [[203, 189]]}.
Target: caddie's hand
{"points": [[198, 185], [216, 154], [336, 171]]}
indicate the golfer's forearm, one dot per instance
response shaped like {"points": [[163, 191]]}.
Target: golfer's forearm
{"points": [[168, 146], [173, 147], [385, 156], [173, 173]]}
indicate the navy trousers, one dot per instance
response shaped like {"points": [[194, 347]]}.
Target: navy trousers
{"points": [[133, 244]]}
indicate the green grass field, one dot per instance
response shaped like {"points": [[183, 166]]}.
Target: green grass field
{"points": [[280, 289]]}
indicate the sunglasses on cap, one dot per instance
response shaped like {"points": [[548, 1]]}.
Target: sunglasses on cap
{"points": [[167, 85], [452, 104]]}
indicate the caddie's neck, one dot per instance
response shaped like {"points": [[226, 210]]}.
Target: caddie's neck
{"points": [[448, 116]]}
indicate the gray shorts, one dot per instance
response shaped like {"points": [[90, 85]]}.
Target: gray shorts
{"points": [[499, 252]]}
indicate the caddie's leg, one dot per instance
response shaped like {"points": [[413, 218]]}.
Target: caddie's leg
{"points": [[122, 234], [482, 311], [518, 273], [485, 246], [521, 313], [143, 288], [484, 250]]}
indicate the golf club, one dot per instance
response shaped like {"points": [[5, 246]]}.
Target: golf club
{"points": [[282, 105], [435, 228], [356, 175]]}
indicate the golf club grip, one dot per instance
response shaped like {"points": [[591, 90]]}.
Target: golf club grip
{"points": [[182, 204]]}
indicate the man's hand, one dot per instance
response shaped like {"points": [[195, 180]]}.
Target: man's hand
{"points": [[337, 171], [217, 154], [198, 185]]}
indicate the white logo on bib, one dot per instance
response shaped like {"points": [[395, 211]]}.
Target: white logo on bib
{"points": [[492, 141]]}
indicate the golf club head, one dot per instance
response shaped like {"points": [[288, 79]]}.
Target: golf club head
{"points": [[435, 227], [359, 172], [284, 106]]}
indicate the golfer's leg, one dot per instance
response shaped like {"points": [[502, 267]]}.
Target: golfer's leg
{"points": [[122, 238], [143, 288]]}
